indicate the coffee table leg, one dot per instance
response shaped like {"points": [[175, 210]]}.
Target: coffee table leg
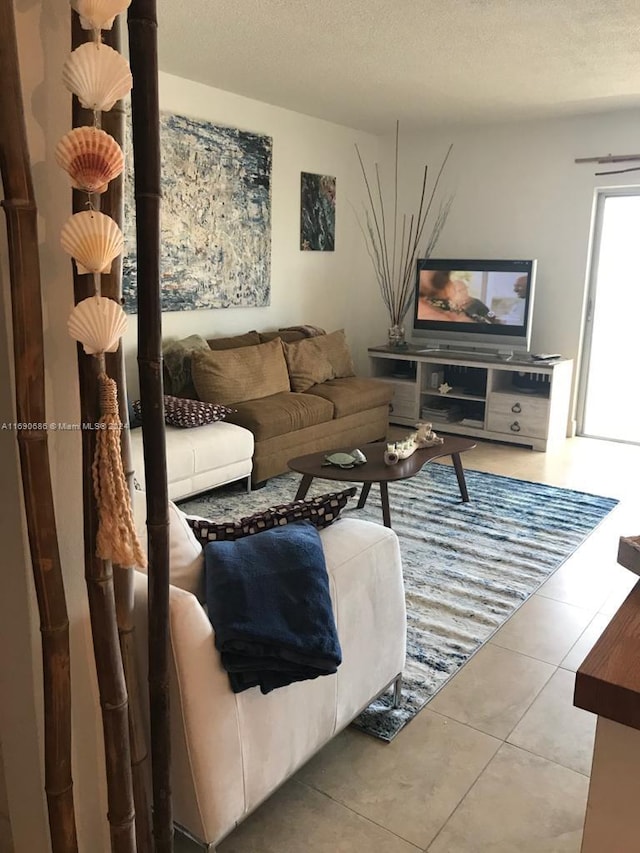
{"points": [[303, 488], [364, 494], [384, 496], [457, 464]]}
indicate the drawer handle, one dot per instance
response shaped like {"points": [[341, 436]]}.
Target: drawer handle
{"points": [[516, 408], [515, 427]]}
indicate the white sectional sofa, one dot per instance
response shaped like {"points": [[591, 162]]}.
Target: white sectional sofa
{"points": [[231, 751], [201, 458]]}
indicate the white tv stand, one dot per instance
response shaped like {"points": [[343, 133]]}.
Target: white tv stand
{"points": [[516, 400]]}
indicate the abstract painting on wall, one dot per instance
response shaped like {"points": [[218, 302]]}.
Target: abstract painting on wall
{"points": [[216, 217], [317, 212]]}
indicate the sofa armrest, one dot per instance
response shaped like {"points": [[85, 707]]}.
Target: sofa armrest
{"points": [[206, 751], [363, 561]]}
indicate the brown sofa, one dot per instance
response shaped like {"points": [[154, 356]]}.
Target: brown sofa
{"points": [[294, 389]]}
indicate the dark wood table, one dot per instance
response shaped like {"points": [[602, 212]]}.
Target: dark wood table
{"points": [[375, 471]]}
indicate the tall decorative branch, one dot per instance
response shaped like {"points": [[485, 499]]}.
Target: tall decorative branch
{"points": [[93, 158], [26, 304], [112, 203], [143, 51], [396, 277]]}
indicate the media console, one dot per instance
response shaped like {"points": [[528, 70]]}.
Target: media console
{"points": [[520, 401]]}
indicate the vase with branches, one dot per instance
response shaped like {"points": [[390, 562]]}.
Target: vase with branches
{"points": [[393, 239]]}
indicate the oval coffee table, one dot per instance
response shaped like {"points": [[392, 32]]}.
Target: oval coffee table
{"points": [[374, 469]]}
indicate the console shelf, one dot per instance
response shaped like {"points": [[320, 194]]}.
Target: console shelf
{"points": [[519, 401]]}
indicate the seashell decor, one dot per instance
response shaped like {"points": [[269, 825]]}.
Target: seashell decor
{"points": [[93, 239], [98, 75], [98, 324], [99, 14], [91, 157]]}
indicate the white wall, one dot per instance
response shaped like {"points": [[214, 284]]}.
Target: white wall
{"points": [[329, 289], [519, 194]]}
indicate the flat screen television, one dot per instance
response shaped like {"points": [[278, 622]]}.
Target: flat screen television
{"points": [[474, 305]]}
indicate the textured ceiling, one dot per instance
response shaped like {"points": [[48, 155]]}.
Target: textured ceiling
{"points": [[364, 63]]}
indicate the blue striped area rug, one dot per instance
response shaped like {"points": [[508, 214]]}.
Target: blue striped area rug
{"points": [[467, 567]]}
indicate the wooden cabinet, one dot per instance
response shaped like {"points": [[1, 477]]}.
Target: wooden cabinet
{"points": [[520, 401]]}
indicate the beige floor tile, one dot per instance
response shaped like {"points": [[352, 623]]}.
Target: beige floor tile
{"points": [[493, 690], [582, 581], [553, 728], [297, 819], [621, 589], [411, 785], [543, 628], [586, 641], [520, 803]]}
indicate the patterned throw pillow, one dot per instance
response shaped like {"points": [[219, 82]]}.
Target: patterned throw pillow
{"points": [[320, 511], [188, 413]]}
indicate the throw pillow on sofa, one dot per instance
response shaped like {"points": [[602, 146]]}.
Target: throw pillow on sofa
{"points": [[236, 375], [321, 511], [336, 350], [187, 413], [176, 363], [307, 364]]}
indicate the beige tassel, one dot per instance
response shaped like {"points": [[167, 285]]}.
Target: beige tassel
{"points": [[117, 539]]}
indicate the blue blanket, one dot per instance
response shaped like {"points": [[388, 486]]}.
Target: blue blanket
{"points": [[268, 601]]}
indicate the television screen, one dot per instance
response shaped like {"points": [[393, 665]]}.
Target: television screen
{"points": [[483, 301]]}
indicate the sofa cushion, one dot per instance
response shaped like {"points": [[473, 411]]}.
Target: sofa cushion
{"points": [[281, 414], [235, 375], [285, 335], [321, 511], [336, 351], [186, 560], [249, 339], [353, 394], [307, 364], [199, 459]]}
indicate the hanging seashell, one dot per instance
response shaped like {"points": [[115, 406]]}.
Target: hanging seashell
{"points": [[98, 324], [93, 239], [98, 75], [99, 14], [91, 157]]}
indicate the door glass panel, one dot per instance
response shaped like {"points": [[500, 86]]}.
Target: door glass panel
{"points": [[612, 391]]}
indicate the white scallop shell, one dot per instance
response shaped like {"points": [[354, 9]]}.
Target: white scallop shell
{"points": [[98, 323], [99, 14], [91, 157], [98, 75], [93, 239]]}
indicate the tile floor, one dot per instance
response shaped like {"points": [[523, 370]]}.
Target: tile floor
{"points": [[498, 761]]}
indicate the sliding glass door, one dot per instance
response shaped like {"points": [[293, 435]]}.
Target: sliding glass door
{"points": [[610, 379]]}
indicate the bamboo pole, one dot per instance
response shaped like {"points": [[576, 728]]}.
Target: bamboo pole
{"points": [[99, 576], [26, 305], [112, 203], [143, 53]]}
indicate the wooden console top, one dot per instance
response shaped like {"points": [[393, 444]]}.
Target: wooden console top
{"points": [[608, 681]]}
